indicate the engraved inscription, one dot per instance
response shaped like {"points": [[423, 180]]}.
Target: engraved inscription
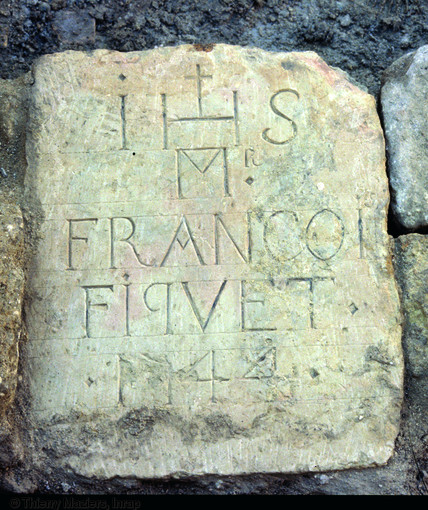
{"points": [[250, 158], [73, 237], [184, 307], [231, 119], [238, 238], [212, 160], [202, 373], [123, 118], [324, 234], [199, 77], [211, 269], [266, 132]]}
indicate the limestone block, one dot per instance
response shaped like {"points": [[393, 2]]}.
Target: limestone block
{"points": [[405, 111], [11, 294], [411, 265], [212, 291], [13, 118], [11, 302], [12, 258]]}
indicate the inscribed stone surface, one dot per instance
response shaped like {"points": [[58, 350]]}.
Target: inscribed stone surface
{"points": [[212, 290]]}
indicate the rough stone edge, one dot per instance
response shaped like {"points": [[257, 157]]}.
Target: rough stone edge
{"points": [[14, 96], [396, 74]]}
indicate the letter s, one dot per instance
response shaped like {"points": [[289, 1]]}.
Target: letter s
{"points": [[275, 110]]}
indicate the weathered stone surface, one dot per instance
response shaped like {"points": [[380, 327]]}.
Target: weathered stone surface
{"points": [[405, 111], [12, 249], [11, 293], [212, 290], [411, 265], [13, 119], [11, 299]]}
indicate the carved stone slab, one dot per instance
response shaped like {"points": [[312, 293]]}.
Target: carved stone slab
{"points": [[212, 290]]}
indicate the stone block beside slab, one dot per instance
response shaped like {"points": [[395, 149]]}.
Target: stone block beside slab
{"points": [[13, 110], [411, 265], [405, 113], [11, 292], [212, 290], [13, 120], [11, 301]]}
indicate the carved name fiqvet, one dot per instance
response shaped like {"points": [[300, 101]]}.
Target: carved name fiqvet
{"points": [[212, 249]]}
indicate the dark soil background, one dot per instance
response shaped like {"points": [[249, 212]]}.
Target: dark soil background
{"points": [[362, 37]]}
